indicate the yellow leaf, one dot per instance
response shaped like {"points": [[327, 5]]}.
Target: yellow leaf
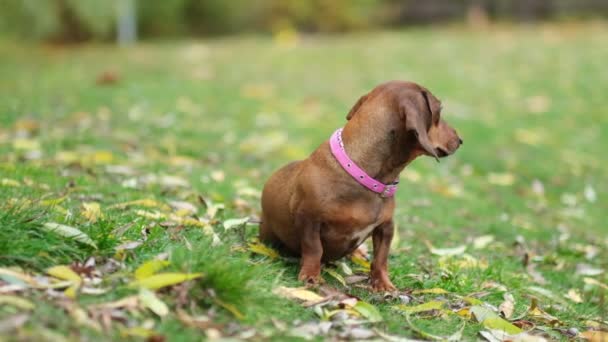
{"points": [[435, 290], [491, 320], [158, 281], [260, 248], [574, 295], [155, 215], [146, 202], [368, 311], [26, 144], [82, 318], [65, 273], [502, 179], [53, 201], [595, 336], [91, 211], [591, 281], [150, 267], [230, 307], [71, 291], [10, 182], [17, 302], [336, 275], [299, 293], [360, 261], [149, 300], [140, 332], [102, 157], [428, 306]]}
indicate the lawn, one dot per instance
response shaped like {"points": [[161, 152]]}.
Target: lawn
{"points": [[152, 150]]}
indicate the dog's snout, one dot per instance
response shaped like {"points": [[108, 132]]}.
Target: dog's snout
{"points": [[460, 141]]}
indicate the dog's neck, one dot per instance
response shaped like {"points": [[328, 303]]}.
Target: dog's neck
{"points": [[379, 152]]}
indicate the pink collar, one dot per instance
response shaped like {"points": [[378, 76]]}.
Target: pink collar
{"points": [[337, 149]]}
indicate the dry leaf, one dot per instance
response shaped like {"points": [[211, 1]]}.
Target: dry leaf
{"points": [[260, 248], [435, 290], [502, 179], [446, 251], [595, 335], [91, 211], [18, 302], [574, 295], [149, 300], [506, 308], [483, 241], [308, 297], [69, 232]]}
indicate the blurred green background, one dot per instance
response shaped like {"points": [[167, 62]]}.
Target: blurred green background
{"points": [[84, 20]]}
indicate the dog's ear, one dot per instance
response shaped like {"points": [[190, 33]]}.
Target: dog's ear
{"points": [[417, 122], [433, 105], [356, 107]]}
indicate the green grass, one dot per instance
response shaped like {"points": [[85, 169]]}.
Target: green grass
{"points": [[528, 101]]}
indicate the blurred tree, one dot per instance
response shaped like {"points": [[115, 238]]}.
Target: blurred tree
{"points": [[126, 24], [81, 20]]}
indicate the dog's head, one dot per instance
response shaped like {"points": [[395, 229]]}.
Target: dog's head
{"points": [[412, 111]]}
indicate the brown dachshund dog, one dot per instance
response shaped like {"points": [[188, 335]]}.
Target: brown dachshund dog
{"points": [[317, 210]]}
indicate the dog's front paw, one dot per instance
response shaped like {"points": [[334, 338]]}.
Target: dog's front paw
{"points": [[382, 284], [310, 277]]}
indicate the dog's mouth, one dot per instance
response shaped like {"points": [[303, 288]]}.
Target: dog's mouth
{"points": [[441, 152]]}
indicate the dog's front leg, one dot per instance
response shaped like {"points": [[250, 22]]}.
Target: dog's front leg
{"points": [[382, 237], [311, 249]]}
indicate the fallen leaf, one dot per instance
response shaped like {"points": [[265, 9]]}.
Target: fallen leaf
{"points": [[13, 276], [149, 268], [361, 262], [18, 302], [368, 311], [435, 290], [595, 335], [69, 232], [574, 295], [502, 179], [446, 251], [490, 320], [588, 270], [591, 281], [161, 280], [428, 306], [335, 275], [483, 241], [235, 222], [538, 314], [10, 182], [13, 322], [506, 308], [91, 211], [230, 307], [308, 297], [146, 202], [65, 273], [260, 248], [149, 300]]}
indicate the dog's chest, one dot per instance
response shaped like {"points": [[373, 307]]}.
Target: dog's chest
{"points": [[360, 234]]}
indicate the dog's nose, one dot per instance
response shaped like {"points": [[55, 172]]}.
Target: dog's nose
{"points": [[460, 141]]}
